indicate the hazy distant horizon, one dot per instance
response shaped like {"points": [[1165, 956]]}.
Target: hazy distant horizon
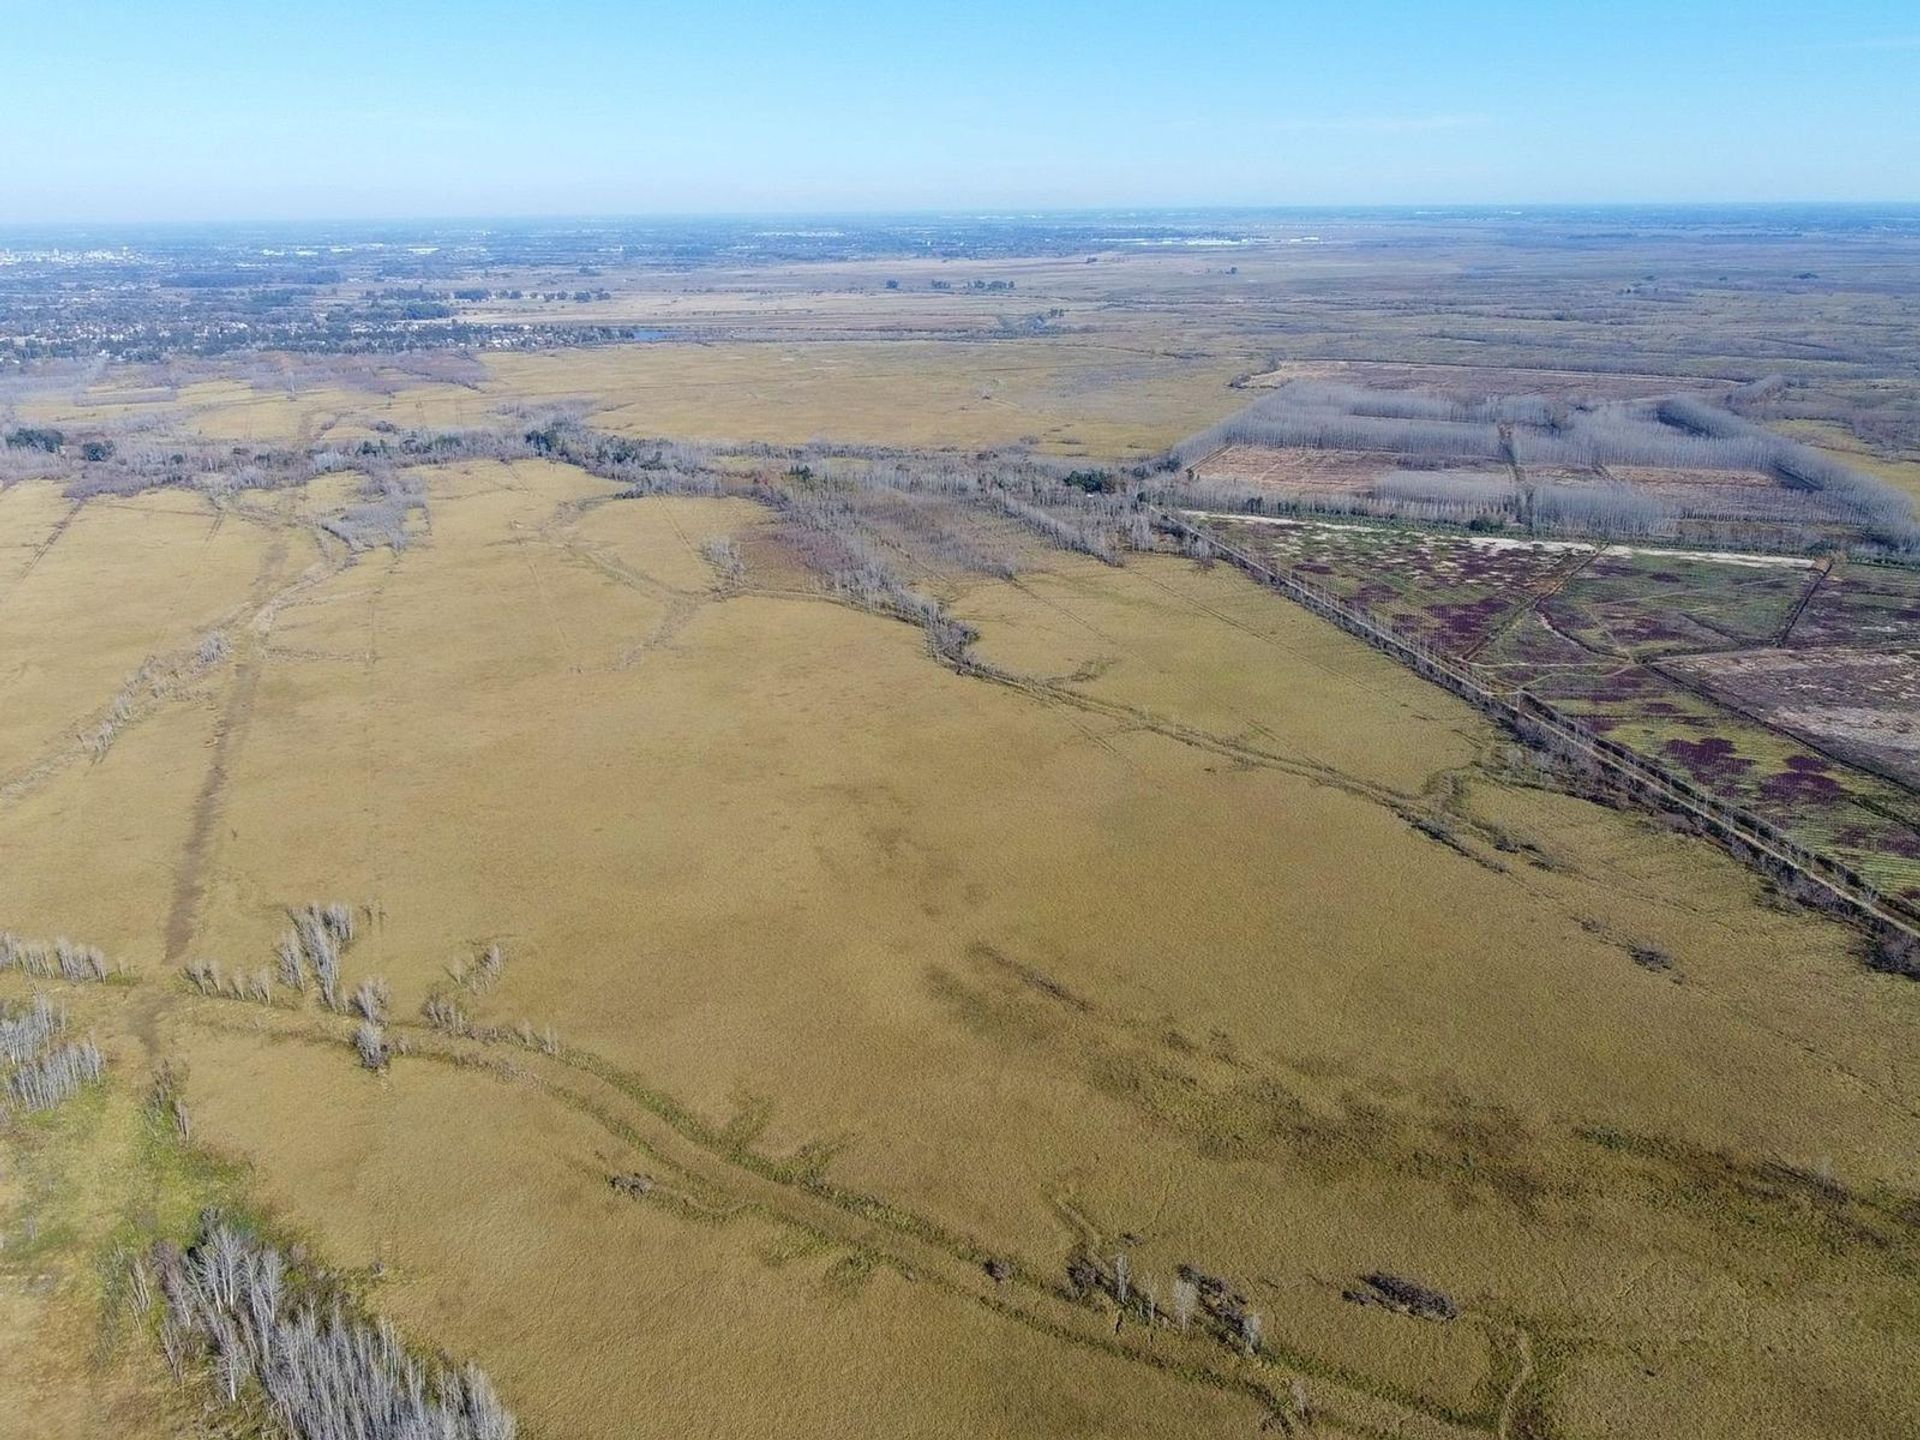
{"points": [[1169, 214], [212, 111]]}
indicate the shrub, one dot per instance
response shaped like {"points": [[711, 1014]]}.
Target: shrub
{"points": [[371, 1042], [721, 553], [1895, 953], [1411, 1296], [27, 437], [1651, 957]]}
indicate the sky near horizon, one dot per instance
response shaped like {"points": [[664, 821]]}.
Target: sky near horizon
{"points": [[126, 110]]}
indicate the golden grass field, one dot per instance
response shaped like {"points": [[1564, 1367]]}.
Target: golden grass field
{"points": [[879, 969], [1065, 397]]}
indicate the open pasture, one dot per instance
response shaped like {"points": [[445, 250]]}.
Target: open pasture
{"points": [[1060, 397], [916, 997], [893, 950]]}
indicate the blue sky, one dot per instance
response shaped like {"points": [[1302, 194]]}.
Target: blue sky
{"points": [[348, 109]]}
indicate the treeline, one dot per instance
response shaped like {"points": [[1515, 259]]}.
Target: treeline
{"points": [[1600, 512], [62, 959], [1531, 433], [647, 466], [1797, 466]]}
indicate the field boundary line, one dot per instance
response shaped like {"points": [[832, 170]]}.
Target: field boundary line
{"points": [[1534, 719]]}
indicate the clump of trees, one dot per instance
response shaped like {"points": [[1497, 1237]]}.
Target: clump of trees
{"points": [[42, 1067], [1194, 1297], [390, 498], [30, 437], [645, 466], [1086, 535], [1678, 432], [275, 1344], [834, 540], [1797, 466], [56, 1076], [26, 1032], [64, 959], [309, 951]]}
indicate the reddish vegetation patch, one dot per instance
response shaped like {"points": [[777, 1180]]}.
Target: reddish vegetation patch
{"points": [[1804, 779], [1446, 590], [1710, 759], [1862, 705], [1573, 652]]}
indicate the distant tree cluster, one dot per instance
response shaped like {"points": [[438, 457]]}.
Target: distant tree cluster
{"points": [[1532, 432], [27, 437]]}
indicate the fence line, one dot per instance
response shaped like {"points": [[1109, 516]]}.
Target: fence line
{"points": [[1533, 718]]}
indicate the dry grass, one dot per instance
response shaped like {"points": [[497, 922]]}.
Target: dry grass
{"points": [[100, 593], [1144, 945], [1074, 396]]}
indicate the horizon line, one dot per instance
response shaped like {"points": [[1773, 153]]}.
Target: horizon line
{"points": [[969, 212]]}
